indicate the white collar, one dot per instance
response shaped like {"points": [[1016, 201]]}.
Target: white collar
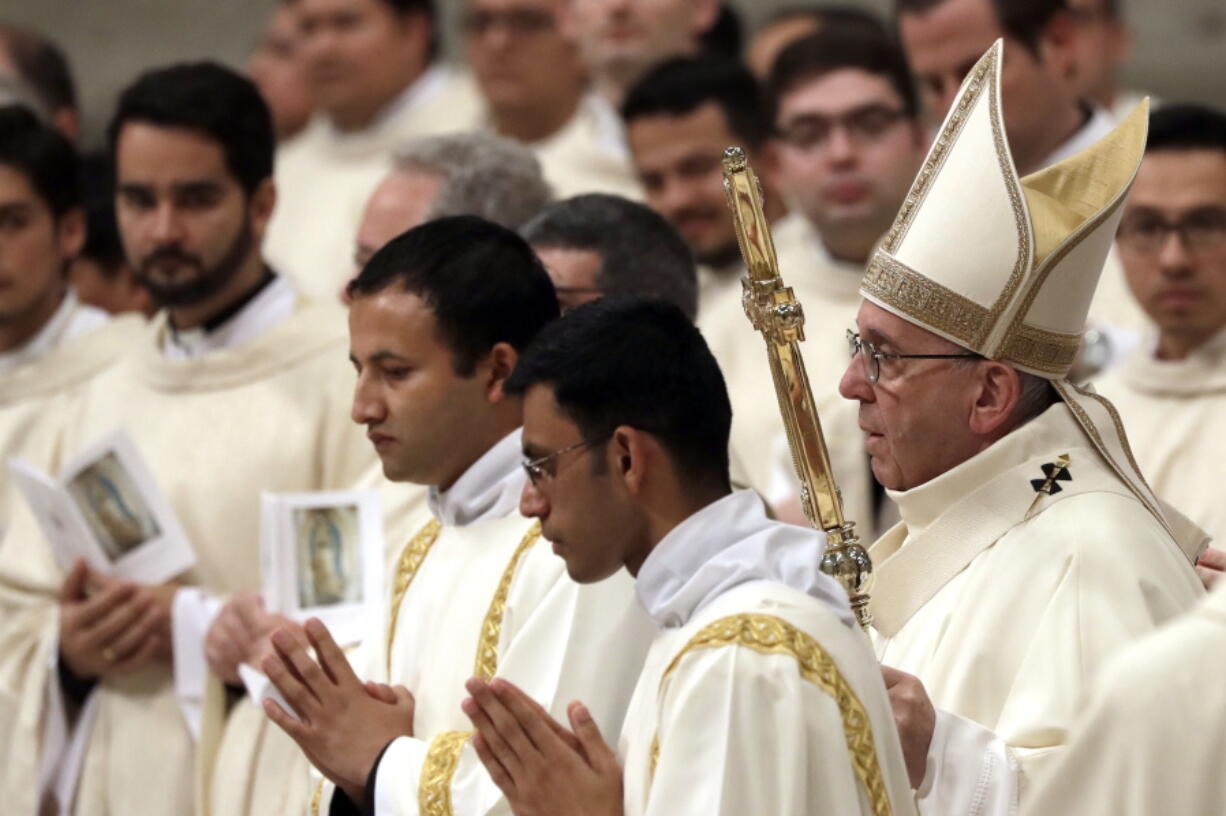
{"points": [[728, 543], [274, 304], [1100, 123], [70, 320], [415, 94], [489, 489]]}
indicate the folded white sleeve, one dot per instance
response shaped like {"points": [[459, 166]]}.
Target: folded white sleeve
{"points": [[192, 613], [971, 771]]}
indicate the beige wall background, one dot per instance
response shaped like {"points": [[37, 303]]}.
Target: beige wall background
{"points": [[1180, 50]]}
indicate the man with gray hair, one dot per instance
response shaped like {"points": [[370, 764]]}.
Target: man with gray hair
{"points": [[456, 174], [595, 245]]}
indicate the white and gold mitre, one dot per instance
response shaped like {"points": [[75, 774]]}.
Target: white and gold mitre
{"points": [[1002, 265]]}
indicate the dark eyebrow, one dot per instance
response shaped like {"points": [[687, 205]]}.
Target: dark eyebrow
{"points": [[195, 187], [16, 206], [532, 451], [385, 355]]}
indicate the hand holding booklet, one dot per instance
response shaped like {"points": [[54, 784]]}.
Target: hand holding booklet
{"points": [[106, 508], [321, 556]]}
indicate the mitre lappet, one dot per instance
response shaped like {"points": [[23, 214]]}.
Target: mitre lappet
{"points": [[1007, 266]]}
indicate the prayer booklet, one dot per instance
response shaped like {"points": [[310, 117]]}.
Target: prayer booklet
{"points": [[321, 556], [107, 508]]}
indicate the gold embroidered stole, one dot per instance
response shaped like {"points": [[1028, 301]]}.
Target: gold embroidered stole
{"points": [[443, 754], [767, 634]]}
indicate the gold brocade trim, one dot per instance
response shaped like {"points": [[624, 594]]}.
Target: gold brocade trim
{"points": [[1050, 352], [434, 790], [317, 798], [927, 301], [767, 634], [491, 628], [411, 557]]}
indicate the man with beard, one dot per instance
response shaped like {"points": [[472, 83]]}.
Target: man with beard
{"points": [[50, 343], [238, 386]]}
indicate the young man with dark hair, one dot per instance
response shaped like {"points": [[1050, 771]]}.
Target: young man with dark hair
{"points": [[759, 695], [596, 245], [51, 344], [1172, 242], [236, 387], [373, 68], [439, 317], [42, 66]]}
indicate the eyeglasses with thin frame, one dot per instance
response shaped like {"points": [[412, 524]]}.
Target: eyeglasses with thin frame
{"points": [[1202, 230], [864, 126], [516, 22], [872, 358], [538, 470]]}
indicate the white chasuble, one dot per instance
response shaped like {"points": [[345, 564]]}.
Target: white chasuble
{"points": [[270, 414], [1005, 595], [589, 154], [759, 694], [39, 380], [1175, 412], [828, 291], [325, 177], [1151, 736], [479, 592]]}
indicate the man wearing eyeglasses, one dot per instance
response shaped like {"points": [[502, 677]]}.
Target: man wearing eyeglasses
{"points": [[1172, 391], [535, 90], [438, 319], [759, 695]]}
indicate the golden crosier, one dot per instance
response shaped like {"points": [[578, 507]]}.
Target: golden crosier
{"points": [[773, 310]]}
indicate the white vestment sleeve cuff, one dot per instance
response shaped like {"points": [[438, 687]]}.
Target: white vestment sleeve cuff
{"points": [[192, 613], [971, 771], [396, 779]]}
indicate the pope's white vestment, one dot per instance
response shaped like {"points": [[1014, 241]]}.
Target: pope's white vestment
{"points": [[478, 592], [324, 177], [1151, 735], [760, 695], [260, 403], [40, 377], [1175, 412], [828, 292], [1006, 601]]}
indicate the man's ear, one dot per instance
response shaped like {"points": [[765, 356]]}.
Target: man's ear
{"points": [[501, 359], [1000, 388], [630, 457], [71, 232], [263, 200]]}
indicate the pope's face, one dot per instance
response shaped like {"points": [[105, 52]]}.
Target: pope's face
{"points": [[33, 249], [915, 416], [418, 411], [678, 161], [853, 181], [1182, 287], [579, 504], [187, 225]]}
